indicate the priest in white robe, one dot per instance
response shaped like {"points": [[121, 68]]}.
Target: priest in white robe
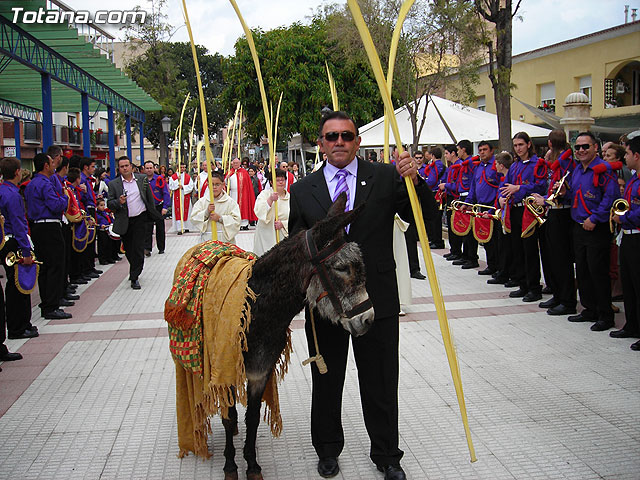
{"points": [[265, 236], [181, 187]]}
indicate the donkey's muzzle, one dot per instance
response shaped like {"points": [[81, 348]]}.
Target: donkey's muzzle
{"points": [[359, 323]]}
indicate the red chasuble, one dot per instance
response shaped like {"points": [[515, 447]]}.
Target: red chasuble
{"points": [[186, 198], [246, 197]]}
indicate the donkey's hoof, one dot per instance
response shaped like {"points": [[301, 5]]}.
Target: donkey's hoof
{"points": [[254, 476], [231, 475]]}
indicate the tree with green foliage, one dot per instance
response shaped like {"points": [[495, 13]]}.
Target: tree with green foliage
{"points": [[439, 39], [500, 13], [292, 60]]}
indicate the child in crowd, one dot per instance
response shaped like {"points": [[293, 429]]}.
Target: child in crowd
{"points": [[108, 248], [224, 213], [503, 163]]}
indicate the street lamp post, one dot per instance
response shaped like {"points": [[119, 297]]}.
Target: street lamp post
{"points": [[166, 128]]}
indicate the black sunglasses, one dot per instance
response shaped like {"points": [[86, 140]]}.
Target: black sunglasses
{"points": [[583, 146], [346, 136]]}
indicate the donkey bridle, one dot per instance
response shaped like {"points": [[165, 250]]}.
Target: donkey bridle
{"points": [[318, 259]]}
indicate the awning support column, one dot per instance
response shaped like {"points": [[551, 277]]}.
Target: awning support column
{"points": [[47, 112], [86, 134], [112, 142]]}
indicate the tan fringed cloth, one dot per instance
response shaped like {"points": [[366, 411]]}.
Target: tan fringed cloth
{"points": [[208, 315]]}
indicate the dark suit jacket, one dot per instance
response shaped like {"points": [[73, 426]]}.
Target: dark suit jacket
{"points": [[384, 193], [120, 211]]}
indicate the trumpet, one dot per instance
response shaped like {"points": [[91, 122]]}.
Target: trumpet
{"points": [[458, 204], [553, 198], [537, 210], [496, 215], [13, 258], [620, 207]]}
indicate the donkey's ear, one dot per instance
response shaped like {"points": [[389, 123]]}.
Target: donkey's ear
{"points": [[339, 206], [341, 220]]}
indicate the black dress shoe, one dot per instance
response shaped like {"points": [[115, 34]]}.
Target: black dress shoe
{"points": [[79, 281], [601, 326], [497, 281], [486, 271], [10, 357], [547, 290], [70, 296], [147, 253], [449, 255], [418, 275], [518, 293], [622, 333], [160, 252], [91, 275], [104, 262], [186, 230], [561, 309], [470, 265], [28, 333], [66, 303], [460, 261], [581, 317], [510, 284], [180, 233], [552, 302], [635, 346], [532, 297], [135, 285], [453, 258], [437, 246], [72, 287], [393, 472], [328, 467], [57, 315], [95, 270]]}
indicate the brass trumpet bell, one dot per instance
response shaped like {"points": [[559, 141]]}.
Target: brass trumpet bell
{"points": [[537, 210], [620, 207], [13, 258]]}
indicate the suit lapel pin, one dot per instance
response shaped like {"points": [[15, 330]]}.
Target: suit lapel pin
{"points": [[363, 183]]}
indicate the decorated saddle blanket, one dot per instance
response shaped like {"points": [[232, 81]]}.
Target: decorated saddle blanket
{"points": [[208, 315]]}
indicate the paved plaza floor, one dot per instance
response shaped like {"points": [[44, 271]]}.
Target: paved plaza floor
{"points": [[94, 396]]}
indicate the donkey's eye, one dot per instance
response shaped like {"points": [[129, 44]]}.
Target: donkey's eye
{"points": [[342, 268]]}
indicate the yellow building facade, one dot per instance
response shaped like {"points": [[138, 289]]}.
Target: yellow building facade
{"points": [[604, 65]]}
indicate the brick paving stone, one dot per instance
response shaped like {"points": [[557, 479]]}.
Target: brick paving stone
{"points": [[547, 399]]}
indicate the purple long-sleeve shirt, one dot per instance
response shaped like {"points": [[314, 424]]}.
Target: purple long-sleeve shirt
{"points": [[15, 222], [160, 191], [589, 200], [523, 173], [485, 183], [433, 173], [631, 220], [43, 202]]}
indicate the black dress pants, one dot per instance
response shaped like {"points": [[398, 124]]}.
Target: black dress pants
{"points": [[592, 270], [526, 273], [505, 257], [411, 239], [49, 248], [16, 307], [434, 228], [455, 242], [629, 262], [160, 232], [376, 355], [492, 247], [133, 242], [559, 233]]}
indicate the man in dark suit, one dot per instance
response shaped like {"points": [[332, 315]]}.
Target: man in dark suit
{"points": [[131, 201], [382, 189]]}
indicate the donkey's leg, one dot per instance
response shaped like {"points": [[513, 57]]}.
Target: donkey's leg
{"points": [[255, 389], [230, 429]]}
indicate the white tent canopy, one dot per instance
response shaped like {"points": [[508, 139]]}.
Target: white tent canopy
{"points": [[463, 123]]}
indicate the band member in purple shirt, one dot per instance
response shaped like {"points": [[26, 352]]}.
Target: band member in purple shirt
{"points": [[18, 305], [433, 173], [593, 189], [484, 190], [162, 201], [45, 207]]}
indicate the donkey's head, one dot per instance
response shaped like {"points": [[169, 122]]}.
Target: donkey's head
{"points": [[337, 286]]}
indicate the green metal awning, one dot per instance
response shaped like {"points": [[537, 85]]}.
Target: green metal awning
{"points": [[21, 84]]}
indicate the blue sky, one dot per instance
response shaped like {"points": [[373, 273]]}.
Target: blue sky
{"points": [[215, 25]]}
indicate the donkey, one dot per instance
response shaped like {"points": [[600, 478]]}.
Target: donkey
{"points": [[317, 268]]}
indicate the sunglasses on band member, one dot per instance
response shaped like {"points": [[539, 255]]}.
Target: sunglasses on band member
{"points": [[583, 146], [346, 136]]}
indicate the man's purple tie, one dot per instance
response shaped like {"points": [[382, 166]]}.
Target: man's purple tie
{"points": [[342, 186]]}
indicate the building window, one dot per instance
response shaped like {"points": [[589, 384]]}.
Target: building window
{"points": [[31, 132], [548, 97], [585, 86], [482, 103]]}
